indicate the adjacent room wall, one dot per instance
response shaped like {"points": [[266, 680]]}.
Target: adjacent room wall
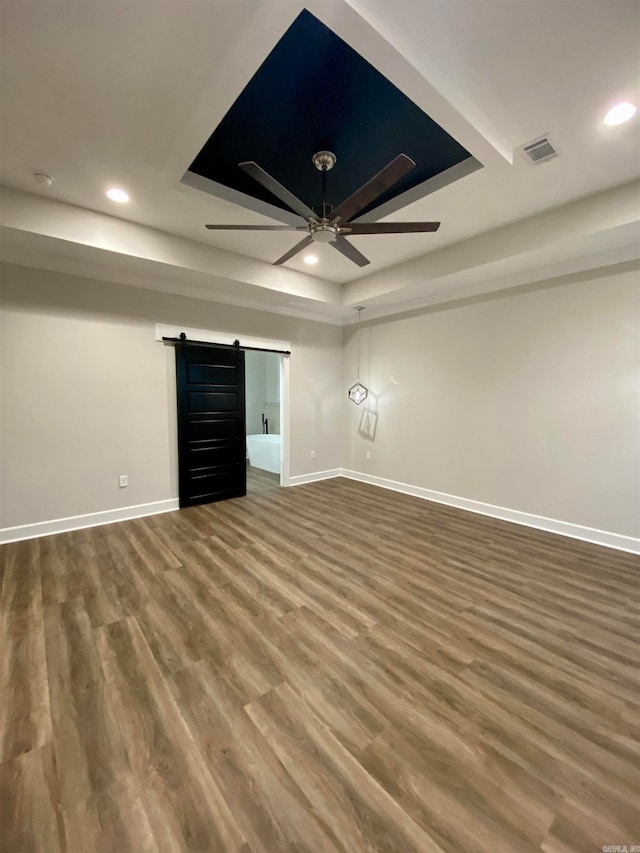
{"points": [[88, 394], [272, 378], [272, 392], [523, 400], [255, 390], [262, 370]]}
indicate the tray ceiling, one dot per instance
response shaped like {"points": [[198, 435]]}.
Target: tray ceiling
{"points": [[312, 93]]}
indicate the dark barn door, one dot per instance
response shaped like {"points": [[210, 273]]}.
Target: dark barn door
{"points": [[211, 424]]}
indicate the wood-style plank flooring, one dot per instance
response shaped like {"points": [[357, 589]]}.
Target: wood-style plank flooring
{"points": [[333, 667]]}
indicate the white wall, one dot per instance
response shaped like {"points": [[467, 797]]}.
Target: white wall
{"points": [[88, 394], [528, 400]]}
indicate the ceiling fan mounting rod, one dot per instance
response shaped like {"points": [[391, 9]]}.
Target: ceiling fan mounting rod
{"points": [[324, 193], [323, 231], [324, 161]]}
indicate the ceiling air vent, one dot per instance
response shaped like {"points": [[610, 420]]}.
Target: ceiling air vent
{"points": [[539, 151]]}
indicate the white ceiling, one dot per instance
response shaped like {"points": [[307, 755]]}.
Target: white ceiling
{"points": [[124, 92]]}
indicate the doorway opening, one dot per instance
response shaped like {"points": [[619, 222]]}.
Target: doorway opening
{"points": [[263, 413], [210, 391], [211, 451]]}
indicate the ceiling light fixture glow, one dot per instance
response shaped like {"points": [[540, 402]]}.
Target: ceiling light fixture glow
{"points": [[620, 113], [117, 195], [310, 259]]}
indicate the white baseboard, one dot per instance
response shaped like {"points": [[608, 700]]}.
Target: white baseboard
{"points": [[551, 525], [92, 519], [301, 479]]}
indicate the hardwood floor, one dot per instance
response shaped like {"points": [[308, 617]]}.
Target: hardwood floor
{"points": [[330, 667]]}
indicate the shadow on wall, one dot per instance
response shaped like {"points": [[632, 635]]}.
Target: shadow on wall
{"points": [[369, 420], [369, 416]]}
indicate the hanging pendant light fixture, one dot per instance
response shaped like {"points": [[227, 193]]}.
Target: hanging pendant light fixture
{"points": [[358, 393]]}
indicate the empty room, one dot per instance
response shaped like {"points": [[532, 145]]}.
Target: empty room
{"points": [[319, 426]]}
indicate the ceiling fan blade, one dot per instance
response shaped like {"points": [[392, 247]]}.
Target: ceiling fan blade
{"points": [[269, 183], [390, 227], [374, 187], [350, 251], [297, 248], [256, 227]]}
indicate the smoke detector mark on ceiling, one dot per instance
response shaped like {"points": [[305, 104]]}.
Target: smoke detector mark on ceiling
{"points": [[539, 151]]}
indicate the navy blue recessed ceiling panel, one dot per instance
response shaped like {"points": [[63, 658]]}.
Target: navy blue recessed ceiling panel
{"points": [[312, 93]]}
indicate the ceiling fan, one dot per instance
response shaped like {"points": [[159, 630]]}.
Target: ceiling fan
{"points": [[326, 224]]}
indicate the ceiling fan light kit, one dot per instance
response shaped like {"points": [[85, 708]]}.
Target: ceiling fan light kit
{"points": [[330, 225]]}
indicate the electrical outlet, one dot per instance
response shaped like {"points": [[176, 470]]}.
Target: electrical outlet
{"points": [[368, 454], [313, 454], [124, 480]]}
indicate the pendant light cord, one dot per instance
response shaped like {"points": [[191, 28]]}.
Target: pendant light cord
{"points": [[358, 393], [359, 310]]}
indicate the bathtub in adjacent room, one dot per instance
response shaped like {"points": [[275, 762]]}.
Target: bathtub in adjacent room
{"points": [[264, 452]]}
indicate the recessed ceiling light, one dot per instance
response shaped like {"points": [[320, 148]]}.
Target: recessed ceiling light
{"points": [[117, 195], [43, 178], [620, 113], [310, 259]]}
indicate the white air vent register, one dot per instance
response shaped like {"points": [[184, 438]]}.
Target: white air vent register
{"points": [[539, 151]]}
